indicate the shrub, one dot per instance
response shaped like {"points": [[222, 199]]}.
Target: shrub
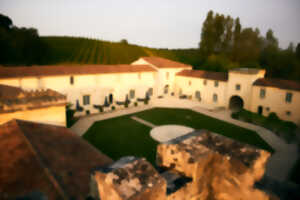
{"points": [[273, 117], [69, 106], [235, 115], [146, 101], [135, 104], [70, 117], [290, 125], [126, 104]]}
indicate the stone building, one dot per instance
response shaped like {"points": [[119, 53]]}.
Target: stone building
{"points": [[44, 105], [39, 161], [89, 87]]}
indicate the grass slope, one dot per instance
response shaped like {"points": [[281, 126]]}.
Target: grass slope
{"points": [[123, 136], [90, 51]]}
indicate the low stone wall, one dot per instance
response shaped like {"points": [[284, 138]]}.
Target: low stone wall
{"points": [[55, 115]]}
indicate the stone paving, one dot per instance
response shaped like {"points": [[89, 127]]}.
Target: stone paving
{"points": [[143, 121], [279, 164], [165, 133]]}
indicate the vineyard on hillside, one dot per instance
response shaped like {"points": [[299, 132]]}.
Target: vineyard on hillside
{"points": [[91, 51]]}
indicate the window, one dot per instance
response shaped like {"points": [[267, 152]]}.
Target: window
{"points": [[71, 80], [86, 100], [288, 97], [150, 91], [139, 76], [190, 83], [237, 87], [204, 82], [198, 95], [167, 75], [132, 94], [267, 109], [216, 83], [288, 113], [262, 93], [215, 97], [166, 89]]}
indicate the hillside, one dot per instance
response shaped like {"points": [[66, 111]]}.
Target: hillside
{"points": [[90, 51]]}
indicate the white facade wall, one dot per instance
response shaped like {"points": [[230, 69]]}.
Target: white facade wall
{"points": [[97, 86], [275, 101], [165, 76], [246, 82], [189, 86]]}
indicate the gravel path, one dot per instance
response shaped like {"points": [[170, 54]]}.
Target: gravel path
{"points": [[84, 123], [143, 121], [168, 132]]}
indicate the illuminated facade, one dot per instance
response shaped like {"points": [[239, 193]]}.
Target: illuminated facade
{"points": [[89, 87]]}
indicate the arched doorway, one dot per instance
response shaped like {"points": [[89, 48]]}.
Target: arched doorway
{"points": [[111, 98], [236, 103], [260, 110]]}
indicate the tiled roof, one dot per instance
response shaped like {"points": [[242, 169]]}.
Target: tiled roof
{"points": [[165, 63], [278, 83], [57, 70], [219, 76], [9, 92], [46, 158], [14, 98]]}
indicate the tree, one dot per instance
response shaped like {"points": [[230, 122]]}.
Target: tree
{"points": [[228, 36], [124, 41], [236, 39], [5, 22], [206, 44], [271, 41], [298, 51]]}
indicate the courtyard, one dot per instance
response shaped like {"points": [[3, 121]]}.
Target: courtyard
{"points": [[122, 136]]}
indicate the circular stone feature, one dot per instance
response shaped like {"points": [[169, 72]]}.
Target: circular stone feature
{"points": [[168, 132]]}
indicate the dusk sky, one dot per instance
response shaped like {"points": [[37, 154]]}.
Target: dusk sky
{"points": [[153, 23]]}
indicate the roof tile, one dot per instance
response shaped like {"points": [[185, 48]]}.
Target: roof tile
{"points": [[165, 63], [219, 76], [47, 158], [278, 83], [57, 70]]}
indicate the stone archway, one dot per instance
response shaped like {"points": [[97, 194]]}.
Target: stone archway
{"points": [[236, 103]]}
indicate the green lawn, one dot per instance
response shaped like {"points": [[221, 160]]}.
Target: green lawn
{"points": [[123, 136]]}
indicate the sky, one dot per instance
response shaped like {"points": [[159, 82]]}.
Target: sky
{"points": [[152, 23]]}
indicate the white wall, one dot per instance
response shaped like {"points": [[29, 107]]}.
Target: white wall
{"points": [[97, 86], [246, 81], [274, 100], [207, 91], [162, 79]]}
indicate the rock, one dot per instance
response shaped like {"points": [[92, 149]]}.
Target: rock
{"points": [[130, 178], [220, 167]]}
